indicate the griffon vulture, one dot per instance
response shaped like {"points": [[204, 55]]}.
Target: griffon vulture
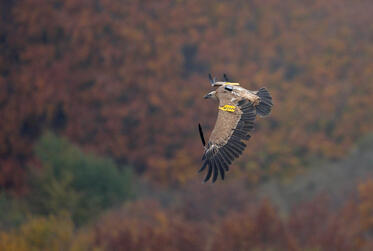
{"points": [[237, 111]]}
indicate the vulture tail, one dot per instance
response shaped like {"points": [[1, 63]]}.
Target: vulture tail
{"points": [[265, 105]]}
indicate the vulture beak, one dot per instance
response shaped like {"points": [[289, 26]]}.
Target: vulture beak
{"points": [[210, 95]]}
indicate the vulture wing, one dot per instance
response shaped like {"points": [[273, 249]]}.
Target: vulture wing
{"points": [[233, 125]]}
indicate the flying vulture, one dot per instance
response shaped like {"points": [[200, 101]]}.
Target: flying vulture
{"points": [[237, 111]]}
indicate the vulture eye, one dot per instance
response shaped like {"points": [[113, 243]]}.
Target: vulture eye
{"points": [[228, 87]]}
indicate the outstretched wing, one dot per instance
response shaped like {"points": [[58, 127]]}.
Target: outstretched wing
{"points": [[225, 143]]}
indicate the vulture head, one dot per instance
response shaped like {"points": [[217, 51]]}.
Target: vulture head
{"points": [[224, 90]]}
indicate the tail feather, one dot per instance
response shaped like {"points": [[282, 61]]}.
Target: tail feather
{"points": [[265, 105]]}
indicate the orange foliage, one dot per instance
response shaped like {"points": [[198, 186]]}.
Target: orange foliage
{"points": [[138, 228], [127, 79], [366, 205], [311, 226], [258, 230]]}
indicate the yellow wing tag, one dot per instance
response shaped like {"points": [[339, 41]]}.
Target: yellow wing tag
{"points": [[228, 108], [229, 83]]}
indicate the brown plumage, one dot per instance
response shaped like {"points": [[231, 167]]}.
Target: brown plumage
{"points": [[237, 111]]}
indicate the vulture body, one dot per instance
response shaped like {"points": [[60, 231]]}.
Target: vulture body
{"points": [[238, 108]]}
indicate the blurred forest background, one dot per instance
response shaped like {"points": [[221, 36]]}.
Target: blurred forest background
{"points": [[99, 106]]}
